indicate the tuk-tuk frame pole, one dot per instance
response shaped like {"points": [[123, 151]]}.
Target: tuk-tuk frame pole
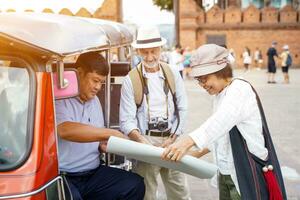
{"points": [[107, 100], [107, 91], [62, 83]]}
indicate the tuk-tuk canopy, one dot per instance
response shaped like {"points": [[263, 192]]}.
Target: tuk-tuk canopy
{"points": [[117, 33], [62, 35]]}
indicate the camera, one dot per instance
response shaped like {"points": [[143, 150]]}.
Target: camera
{"points": [[158, 123]]}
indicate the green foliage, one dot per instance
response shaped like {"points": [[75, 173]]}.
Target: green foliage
{"points": [[164, 4]]}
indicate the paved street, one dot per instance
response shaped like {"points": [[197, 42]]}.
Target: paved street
{"points": [[281, 103]]}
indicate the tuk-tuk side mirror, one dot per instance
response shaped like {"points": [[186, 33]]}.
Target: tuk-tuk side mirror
{"points": [[71, 84]]}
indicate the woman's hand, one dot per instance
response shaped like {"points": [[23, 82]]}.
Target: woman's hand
{"points": [[177, 150], [198, 154]]}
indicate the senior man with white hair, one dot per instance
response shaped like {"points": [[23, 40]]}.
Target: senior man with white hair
{"points": [[153, 110]]}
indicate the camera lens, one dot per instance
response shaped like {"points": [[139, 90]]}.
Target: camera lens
{"points": [[161, 126]]}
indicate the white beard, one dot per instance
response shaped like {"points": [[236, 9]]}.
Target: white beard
{"points": [[150, 65]]}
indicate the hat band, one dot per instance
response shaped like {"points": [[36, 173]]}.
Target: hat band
{"points": [[148, 41], [218, 62]]}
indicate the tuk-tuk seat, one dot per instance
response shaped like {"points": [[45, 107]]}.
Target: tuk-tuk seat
{"points": [[119, 69]]}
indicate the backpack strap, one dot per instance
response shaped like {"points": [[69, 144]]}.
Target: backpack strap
{"points": [[169, 76], [140, 88], [171, 83], [137, 81]]}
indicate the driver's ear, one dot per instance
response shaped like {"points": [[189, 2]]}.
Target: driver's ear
{"points": [[80, 71]]}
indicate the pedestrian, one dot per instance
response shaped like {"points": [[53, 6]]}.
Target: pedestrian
{"points": [[164, 57], [237, 132], [272, 53], [187, 60], [153, 110], [176, 59], [258, 58], [286, 62], [136, 59], [80, 128], [247, 59]]}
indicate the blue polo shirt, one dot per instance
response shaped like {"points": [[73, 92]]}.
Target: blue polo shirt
{"points": [[75, 156]]}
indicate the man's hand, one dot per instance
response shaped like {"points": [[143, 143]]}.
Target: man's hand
{"points": [[118, 134], [169, 141], [177, 150], [135, 135], [102, 146]]}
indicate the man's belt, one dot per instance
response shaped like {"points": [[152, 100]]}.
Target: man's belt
{"points": [[166, 133]]}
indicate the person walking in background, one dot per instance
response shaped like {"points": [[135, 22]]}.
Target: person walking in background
{"points": [[258, 58], [286, 62], [186, 62], [136, 59], [164, 56], [272, 52], [176, 59], [247, 58]]}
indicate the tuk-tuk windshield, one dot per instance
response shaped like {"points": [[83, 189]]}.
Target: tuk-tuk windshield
{"points": [[14, 98]]}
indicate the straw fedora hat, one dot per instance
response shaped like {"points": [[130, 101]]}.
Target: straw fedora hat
{"points": [[207, 59], [148, 37]]}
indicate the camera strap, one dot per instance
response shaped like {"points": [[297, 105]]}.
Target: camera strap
{"points": [[146, 92], [140, 88]]}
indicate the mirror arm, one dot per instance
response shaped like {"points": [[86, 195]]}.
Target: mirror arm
{"points": [[62, 83]]}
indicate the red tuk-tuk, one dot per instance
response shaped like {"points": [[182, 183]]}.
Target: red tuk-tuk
{"points": [[36, 51]]}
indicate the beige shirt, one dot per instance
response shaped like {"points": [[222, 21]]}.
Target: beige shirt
{"points": [[283, 57]]}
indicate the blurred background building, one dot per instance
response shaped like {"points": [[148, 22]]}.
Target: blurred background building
{"points": [[241, 23]]}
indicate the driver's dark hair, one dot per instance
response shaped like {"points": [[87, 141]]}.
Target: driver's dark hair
{"points": [[92, 62]]}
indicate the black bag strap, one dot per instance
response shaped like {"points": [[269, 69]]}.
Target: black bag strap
{"points": [[272, 157]]}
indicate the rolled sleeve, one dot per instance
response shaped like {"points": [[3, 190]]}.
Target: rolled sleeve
{"points": [[181, 101], [128, 109]]}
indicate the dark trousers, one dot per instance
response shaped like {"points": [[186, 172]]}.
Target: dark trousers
{"points": [[106, 183]]}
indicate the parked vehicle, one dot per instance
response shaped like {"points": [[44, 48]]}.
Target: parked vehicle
{"points": [[36, 52]]}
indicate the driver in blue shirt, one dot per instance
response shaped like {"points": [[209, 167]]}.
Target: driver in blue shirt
{"points": [[80, 127]]}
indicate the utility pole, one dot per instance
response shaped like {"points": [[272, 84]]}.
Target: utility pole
{"points": [[176, 14]]}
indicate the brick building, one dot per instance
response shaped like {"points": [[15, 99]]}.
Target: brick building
{"points": [[239, 27]]}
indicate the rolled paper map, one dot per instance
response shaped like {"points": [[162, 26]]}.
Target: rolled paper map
{"points": [[152, 154]]}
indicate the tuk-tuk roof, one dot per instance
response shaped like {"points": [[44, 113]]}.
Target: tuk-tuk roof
{"points": [[117, 33], [60, 34]]}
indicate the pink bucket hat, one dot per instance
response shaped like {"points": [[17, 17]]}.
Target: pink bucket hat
{"points": [[207, 59]]}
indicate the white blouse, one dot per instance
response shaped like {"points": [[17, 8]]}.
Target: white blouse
{"points": [[236, 105]]}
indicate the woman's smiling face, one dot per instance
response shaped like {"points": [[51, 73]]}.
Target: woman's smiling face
{"points": [[212, 84]]}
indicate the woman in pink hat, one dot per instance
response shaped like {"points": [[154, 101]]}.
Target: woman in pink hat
{"points": [[236, 132]]}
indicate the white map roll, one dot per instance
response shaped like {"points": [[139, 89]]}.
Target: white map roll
{"points": [[151, 154]]}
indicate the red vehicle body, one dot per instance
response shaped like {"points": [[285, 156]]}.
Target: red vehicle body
{"points": [[34, 47]]}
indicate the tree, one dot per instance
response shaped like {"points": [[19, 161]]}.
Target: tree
{"points": [[168, 4], [164, 4]]}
